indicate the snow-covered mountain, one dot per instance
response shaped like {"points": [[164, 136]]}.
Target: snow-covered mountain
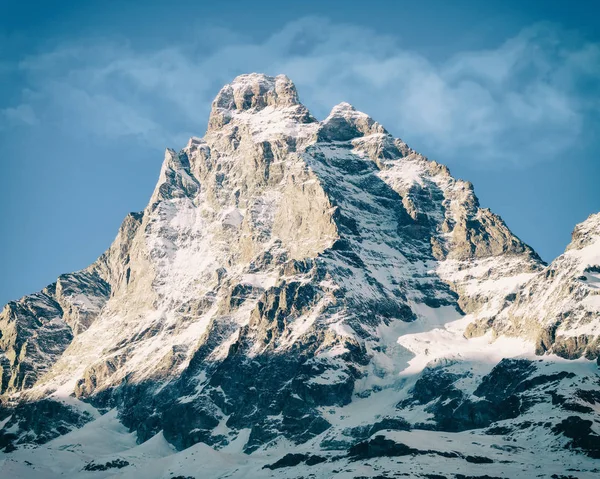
{"points": [[306, 298]]}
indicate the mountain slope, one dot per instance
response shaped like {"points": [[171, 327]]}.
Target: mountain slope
{"points": [[311, 283], [559, 308]]}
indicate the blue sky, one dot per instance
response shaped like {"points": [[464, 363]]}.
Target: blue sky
{"points": [[507, 95]]}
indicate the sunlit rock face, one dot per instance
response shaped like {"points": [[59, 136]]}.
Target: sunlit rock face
{"points": [[309, 283]]}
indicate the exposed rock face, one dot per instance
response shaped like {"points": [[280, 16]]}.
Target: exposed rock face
{"points": [[36, 329], [560, 307], [311, 282]]}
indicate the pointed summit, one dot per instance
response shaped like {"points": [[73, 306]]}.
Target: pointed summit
{"points": [[252, 92], [586, 233], [346, 123]]}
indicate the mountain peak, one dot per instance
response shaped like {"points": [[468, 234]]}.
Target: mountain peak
{"points": [[586, 232], [346, 123], [305, 283], [252, 92], [342, 107], [346, 110]]}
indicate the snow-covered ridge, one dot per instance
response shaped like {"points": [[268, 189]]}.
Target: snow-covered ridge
{"points": [[586, 233], [560, 306], [253, 93]]}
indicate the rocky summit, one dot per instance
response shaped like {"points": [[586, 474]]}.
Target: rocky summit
{"points": [[307, 299]]}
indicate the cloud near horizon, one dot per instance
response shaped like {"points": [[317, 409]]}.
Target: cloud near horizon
{"points": [[529, 100]]}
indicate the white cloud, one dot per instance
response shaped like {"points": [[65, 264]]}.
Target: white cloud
{"points": [[528, 100], [21, 114]]}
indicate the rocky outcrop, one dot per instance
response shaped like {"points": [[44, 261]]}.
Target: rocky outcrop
{"points": [[35, 330], [560, 307]]}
